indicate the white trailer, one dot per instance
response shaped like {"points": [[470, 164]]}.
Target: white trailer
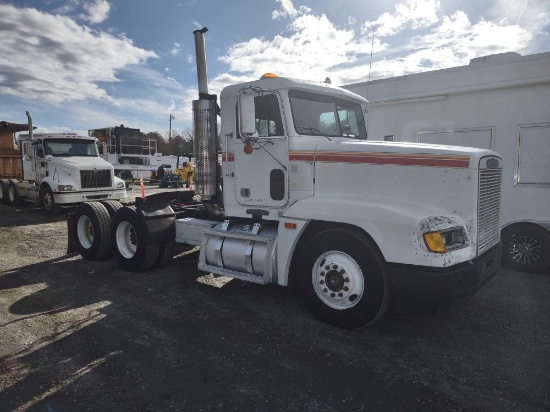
{"points": [[498, 102], [60, 169], [301, 198]]}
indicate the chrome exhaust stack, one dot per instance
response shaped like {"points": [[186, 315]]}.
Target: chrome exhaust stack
{"points": [[205, 111], [29, 121]]}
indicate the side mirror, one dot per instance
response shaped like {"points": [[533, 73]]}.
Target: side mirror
{"points": [[49, 158], [247, 118]]}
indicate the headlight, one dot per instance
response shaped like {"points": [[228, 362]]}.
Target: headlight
{"points": [[65, 188], [120, 185], [446, 240]]}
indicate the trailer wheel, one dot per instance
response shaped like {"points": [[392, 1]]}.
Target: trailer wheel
{"points": [[47, 200], [13, 194], [342, 278], [4, 198], [526, 247], [92, 224], [131, 249], [112, 206]]}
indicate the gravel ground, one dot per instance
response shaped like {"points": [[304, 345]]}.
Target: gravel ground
{"points": [[88, 336]]}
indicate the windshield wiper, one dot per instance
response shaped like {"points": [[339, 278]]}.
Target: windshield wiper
{"points": [[314, 130]]}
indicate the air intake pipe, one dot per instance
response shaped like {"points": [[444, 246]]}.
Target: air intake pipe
{"points": [[205, 110]]}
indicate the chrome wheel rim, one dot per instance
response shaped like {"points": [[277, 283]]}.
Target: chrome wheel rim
{"points": [[126, 240], [338, 280], [525, 250], [85, 232]]}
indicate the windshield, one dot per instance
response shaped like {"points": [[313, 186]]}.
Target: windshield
{"points": [[325, 115], [70, 147]]}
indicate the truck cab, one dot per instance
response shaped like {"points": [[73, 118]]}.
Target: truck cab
{"points": [[63, 169]]}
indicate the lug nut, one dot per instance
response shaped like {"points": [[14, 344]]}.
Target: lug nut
{"points": [[335, 267], [325, 290], [327, 267], [340, 294], [342, 271], [322, 273], [332, 295], [346, 279], [346, 288], [322, 282]]}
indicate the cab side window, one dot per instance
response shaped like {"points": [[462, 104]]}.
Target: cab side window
{"points": [[268, 116], [39, 150]]}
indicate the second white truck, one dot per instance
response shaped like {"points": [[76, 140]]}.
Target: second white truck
{"points": [[60, 169]]}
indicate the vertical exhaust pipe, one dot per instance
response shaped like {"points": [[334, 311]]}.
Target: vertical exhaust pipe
{"points": [[200, 57], [205, 128], [29, 121]]}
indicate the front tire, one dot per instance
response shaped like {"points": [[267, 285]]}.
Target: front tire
{"points": [[48, 202], [526, 247], [341, 276], [128, 236], [92, 224]]}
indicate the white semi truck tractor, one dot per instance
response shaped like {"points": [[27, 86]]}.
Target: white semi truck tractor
{"points": [[302, 198], [59, 169]]}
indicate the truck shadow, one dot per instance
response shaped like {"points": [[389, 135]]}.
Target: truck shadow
{"points": [[81, 335]]}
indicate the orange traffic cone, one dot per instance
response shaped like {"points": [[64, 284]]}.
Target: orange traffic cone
{"points": [[142, 187]]}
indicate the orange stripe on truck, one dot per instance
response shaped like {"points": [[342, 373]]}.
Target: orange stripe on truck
{"points": [[383, 158]]}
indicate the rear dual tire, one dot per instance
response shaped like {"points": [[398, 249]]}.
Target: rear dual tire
{"points": [[13, 193], [131, 249], [91, 226], [4, 197]]}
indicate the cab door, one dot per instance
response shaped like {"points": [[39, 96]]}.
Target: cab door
{"points": [[261, 156]]}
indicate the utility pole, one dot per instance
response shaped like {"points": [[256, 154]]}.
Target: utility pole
{"points": [[170, 135]]}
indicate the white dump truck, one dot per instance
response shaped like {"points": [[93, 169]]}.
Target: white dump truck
{"points": [[302, 198], [499, 102], [58, 169]]}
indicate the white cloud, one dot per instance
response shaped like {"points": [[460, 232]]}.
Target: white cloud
{"points": [[287, 9], [190, 58], [418, 35], [176, 49], [97, 12], [197, 25], [414, 14], [313, 47], [54, 59]]}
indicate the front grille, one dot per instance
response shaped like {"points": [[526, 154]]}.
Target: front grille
{"points": [[488, 217], [91, 179]]}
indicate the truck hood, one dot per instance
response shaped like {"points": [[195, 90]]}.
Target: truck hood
{"points": [[82, 162], [401, 153]]}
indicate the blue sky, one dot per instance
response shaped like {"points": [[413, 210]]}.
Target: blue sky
{"points": [[77, 65]]}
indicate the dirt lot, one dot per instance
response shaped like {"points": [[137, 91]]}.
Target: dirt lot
{"points": [[87, 336]]}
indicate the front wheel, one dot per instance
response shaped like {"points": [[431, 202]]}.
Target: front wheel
{"points": [[342, 278], [128, 236], [526, 247], [48, 201]]}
